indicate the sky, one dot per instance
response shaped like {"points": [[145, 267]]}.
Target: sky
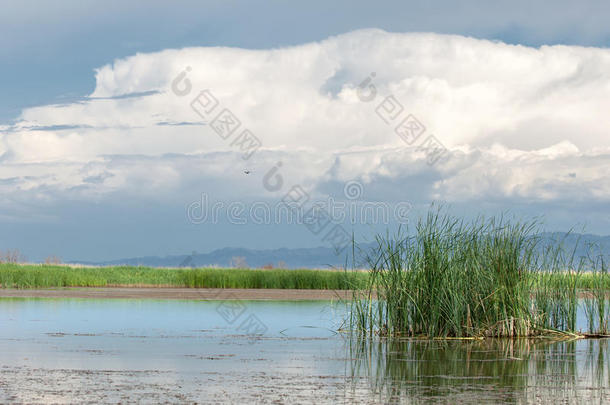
{"points": [[153, 128]]}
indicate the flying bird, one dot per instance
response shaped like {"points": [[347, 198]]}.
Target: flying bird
{"points": [[247, 171]]}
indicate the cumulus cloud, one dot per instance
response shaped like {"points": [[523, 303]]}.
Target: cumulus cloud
{"points": [[520, 124]]}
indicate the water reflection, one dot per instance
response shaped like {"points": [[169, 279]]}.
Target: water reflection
{"points": [[505, 370]]}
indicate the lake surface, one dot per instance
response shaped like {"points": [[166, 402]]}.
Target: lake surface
{"points": [[71, 350]]}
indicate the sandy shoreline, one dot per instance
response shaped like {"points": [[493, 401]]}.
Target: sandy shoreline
{"points": [[177, 293]]}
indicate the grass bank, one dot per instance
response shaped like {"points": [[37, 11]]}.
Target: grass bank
{"points": [[44, 276]]}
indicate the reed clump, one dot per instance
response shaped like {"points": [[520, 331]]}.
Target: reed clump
{"points": [[456, 279]]}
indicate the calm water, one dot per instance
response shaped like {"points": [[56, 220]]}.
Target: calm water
{"points": [[74, 350]]}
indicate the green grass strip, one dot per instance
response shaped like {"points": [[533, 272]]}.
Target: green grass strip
{"points": [[43, 276]]}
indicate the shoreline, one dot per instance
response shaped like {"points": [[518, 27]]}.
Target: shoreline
{"points": [[165, 292], [173, 293]]}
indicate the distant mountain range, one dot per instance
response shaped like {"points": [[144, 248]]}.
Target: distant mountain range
{"points": [[318, 257]]}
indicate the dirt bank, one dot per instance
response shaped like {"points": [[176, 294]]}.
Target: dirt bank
{"points": [[178, 293]]}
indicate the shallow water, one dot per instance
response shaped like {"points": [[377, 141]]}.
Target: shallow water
{"points": [[71, 350]]}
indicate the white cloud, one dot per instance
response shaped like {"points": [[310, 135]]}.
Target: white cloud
{"points": [[522, 123]]}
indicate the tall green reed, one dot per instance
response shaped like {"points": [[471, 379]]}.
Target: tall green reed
{"points": [[451, 278]]}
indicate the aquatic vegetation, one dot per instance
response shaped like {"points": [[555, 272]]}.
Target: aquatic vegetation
{"points": [[486, 278], [597, 304]]}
